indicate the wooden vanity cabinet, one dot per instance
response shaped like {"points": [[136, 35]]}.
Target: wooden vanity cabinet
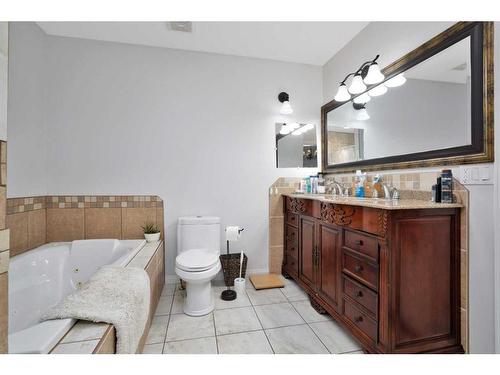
{"points": [[390, 277]]}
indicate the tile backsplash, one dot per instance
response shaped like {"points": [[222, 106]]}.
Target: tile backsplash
{"points": [[34, 221]]}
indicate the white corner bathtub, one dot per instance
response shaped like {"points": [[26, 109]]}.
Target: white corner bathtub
{"points": [[42, 277]]}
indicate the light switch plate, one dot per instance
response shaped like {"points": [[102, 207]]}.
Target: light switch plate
{"points": [[476, 174]]}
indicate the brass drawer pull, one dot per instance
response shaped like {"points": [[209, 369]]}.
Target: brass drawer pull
{"points": [[358, 268], [359, 242], [359, 294], [358, 319]]}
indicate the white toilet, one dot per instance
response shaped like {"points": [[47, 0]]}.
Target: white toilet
{"points": [[197, 262]]}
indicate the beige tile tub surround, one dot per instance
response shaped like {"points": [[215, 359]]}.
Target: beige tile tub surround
{"points": [[100, 338], [65, 225], [415, 185], [35, 221]]}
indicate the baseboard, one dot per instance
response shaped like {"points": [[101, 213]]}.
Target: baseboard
{"points": [[172, 279]]}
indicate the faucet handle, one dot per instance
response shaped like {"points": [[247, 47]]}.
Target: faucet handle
{"points": [[394, 193]]}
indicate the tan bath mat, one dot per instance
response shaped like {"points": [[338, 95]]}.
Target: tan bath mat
{"points": [[267, 281]]}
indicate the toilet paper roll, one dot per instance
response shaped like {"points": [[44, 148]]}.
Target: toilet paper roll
{"points": [[232, 233]]}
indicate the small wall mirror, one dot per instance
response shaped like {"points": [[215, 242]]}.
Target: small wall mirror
{"points": [[434, 107], [296, 145]]}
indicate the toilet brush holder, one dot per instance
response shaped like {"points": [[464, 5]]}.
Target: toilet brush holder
{"points": [[239, 285]]}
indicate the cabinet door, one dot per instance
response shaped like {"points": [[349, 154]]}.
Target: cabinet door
{"points": [[307, 250], [329, 267]]}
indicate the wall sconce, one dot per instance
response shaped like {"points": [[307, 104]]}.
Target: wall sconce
{"points": [[367, 74], [362, 113], [286, 108]]}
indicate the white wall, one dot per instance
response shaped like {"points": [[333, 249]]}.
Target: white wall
{"points": [[196, 129], [27, 148], [392, 40]]}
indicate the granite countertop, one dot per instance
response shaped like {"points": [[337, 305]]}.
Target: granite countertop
{"points": [[386, 204]]}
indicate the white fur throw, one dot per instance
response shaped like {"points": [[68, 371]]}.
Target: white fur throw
{"points": [[115, 295]]}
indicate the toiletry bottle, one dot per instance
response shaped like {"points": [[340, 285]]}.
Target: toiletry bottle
{"points": [[438, 190], [308, 185], [446, 186], [377, 187], [321, 184], [314, 184], [359, 184], [303, 187]]}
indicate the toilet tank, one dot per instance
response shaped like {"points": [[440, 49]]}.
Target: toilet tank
{"points": [[198, 232]]}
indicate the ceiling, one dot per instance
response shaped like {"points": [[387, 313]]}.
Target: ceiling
{"points": [[300, 42]]}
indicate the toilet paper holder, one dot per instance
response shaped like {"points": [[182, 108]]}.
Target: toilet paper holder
{"points": [[228, 294]]}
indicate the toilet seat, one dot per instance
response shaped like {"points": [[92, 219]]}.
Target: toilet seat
{"points": [[197, 260]]}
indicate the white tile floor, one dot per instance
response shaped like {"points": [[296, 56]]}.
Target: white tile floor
{"points": [[261, 322]]}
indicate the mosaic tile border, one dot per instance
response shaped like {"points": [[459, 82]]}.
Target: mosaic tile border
{"points": [[25, 204]]}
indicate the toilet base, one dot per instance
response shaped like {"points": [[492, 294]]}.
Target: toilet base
{"points": [[199, 299]]}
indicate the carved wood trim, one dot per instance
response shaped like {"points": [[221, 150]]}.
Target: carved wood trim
{"points": [[382, 222], [297, 206], [335, 214]]}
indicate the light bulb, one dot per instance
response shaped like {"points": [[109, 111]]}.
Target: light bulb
{"points": [[286, 108], [297, 132], [378, 90], [342, 93], [396, 81], [309, 126], [357, 85], [294, 125], [285, 129], [362, 99], [362, 115], [374, 75]]}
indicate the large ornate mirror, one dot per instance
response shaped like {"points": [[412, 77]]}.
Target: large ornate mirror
{"points": [[434, 107]]}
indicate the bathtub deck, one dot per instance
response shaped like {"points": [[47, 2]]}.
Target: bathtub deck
{"points": [[100, 338]]}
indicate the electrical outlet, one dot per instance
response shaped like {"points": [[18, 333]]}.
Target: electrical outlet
{"points": [[476, 175]]}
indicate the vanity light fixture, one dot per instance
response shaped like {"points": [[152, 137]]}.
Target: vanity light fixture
{"points": [[367, 74], [357, 85], [361, 112], [396, 81], [361, 99], [378, 90], [285, 129], [302, 129], [342, 93], [286, 108]]}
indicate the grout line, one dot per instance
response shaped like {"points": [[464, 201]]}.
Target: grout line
{"points": [[265, 333], [215, 333], [192, 338], [321, 341]]}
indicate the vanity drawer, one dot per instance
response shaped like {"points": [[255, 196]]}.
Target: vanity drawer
{"points": [[360, 270], [363, 244], [361, 294], [366, 324], [292, 219]]}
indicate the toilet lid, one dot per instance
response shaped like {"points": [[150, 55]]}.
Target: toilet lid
{"points": [[197, 260]]}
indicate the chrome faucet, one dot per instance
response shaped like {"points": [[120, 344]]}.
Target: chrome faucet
{"points": [[387, 191], [335, 188], [390, 192]]}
